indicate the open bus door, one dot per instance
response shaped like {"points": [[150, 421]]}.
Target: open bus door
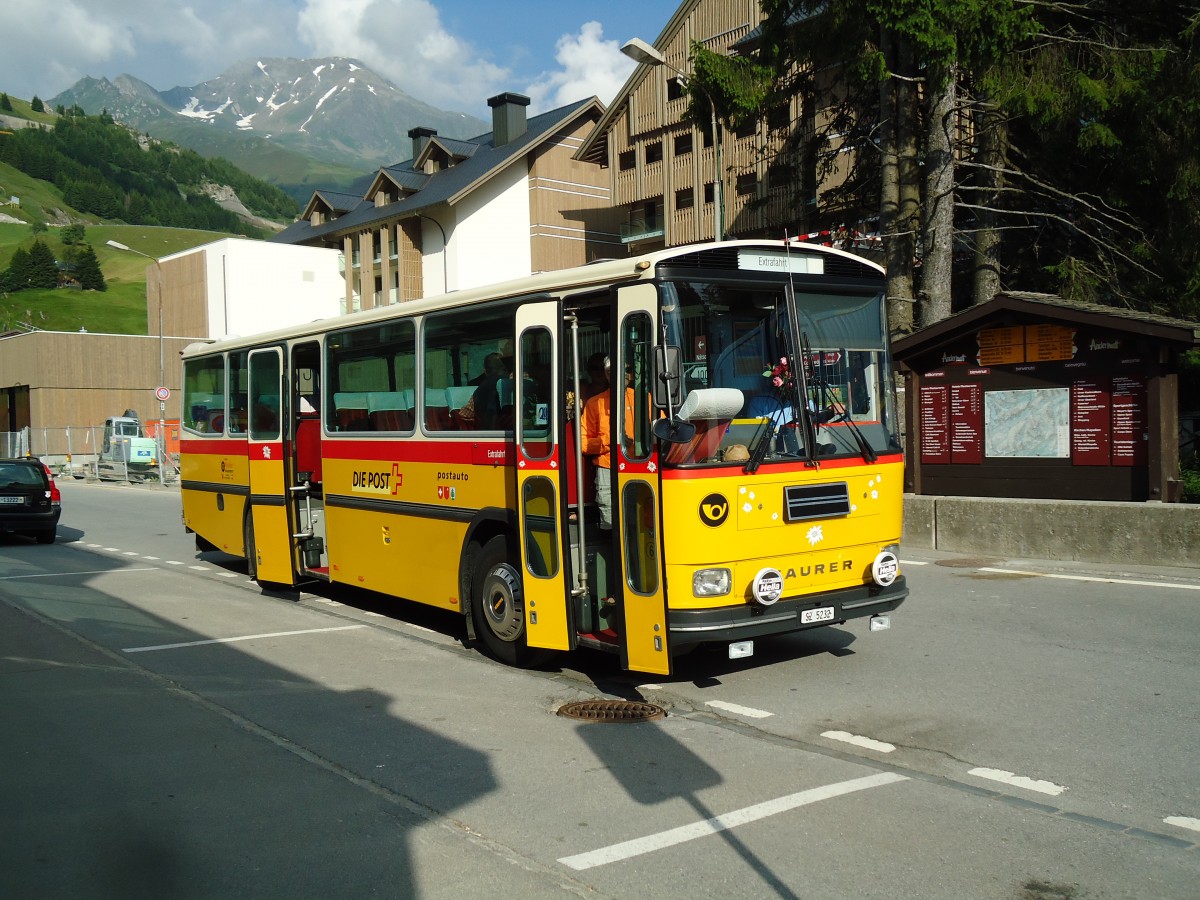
{"points": [[636, 504], [539, 477], [268, 532]]}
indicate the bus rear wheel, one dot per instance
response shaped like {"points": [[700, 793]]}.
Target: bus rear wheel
{"points": [[498, 606]]}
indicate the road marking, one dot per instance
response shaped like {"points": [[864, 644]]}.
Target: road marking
{"points": [[1165, 584], [129, 553], [113, 549], [859, 741], [58, 574], [152, 558], [199, 568], [1042, 787], [173, 562], [233, 640], [228, 574], [748, 711], [1183, 822], [912, 562], [724, 822]]}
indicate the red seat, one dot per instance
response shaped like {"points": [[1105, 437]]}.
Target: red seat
{"points": [[308, 448]]}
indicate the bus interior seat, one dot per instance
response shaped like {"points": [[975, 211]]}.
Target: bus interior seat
{"points": [[391, 410], [350, 411], [437, 410], [456, 398], [308, 448]]}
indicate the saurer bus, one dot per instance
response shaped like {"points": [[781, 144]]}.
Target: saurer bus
{"points": [[433, 451]]}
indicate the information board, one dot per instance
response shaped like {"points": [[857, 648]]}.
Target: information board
{"points": [[1090, 422], [966, 423], [1129, 421], [935, 425]]}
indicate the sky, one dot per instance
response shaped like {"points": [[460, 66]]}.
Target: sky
{"points": [[452, 54]]}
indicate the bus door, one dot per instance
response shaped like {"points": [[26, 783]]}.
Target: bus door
{"points": [[538, 401], [636, 516], [268, 532], [308, 507]]}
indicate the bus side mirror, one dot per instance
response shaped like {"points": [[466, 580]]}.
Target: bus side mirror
{"points": [[668, 378]]}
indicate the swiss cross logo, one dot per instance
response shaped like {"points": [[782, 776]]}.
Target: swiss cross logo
{"points": [[266, 451]]}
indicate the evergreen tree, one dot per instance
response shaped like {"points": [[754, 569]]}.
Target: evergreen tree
{"points": [[87, 270], [43, 270], [5, 103], [72, 234], [18, 270], [37, 105]]}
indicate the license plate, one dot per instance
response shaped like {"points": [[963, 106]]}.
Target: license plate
{"points": [[15, 501], [820, 614]]}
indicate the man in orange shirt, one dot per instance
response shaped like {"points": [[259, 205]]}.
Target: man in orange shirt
{"points": [[596, 427]]}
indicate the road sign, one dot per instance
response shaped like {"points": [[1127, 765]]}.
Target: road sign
{"points": [[163, 393]]}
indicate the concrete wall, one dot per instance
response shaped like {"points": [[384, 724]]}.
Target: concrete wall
{"points": [[1141, 534]]}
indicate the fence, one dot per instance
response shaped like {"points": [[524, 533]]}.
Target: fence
{"points": [[78, 451]]}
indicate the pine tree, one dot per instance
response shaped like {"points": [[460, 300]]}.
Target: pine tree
{"points": [[5, 103], [43, 270], [37, 105], [87, 270]]}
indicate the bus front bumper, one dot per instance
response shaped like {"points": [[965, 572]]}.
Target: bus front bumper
{"points": [[751, 620]]}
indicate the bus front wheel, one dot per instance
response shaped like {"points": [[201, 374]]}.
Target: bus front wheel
{"points": [[498, 605]]}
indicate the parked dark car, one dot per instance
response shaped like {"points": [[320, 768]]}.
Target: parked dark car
{"points": [[30, 502]]}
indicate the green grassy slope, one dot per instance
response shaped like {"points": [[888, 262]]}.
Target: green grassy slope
{"points": [[119, 310]]}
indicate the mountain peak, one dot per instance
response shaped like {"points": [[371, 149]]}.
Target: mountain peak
{"points": [[334, 110]]}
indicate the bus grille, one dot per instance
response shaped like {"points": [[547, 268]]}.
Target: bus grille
{"points": [[816, 501]]}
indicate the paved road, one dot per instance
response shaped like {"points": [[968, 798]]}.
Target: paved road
{"points": [[169, 730]]}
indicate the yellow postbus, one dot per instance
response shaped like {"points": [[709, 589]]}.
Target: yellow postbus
{"points": [[448, 451]]}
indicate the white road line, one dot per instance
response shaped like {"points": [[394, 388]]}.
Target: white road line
{"points": [[859, 741], [113, 549], [152, 558], [748, 711], [228, 574], [664, 839], [1102, 580], [129, 553], [173, 562], [1183, 822], [71, 574], [912, 562], [199, 568], [1031, 784], [233, 640]]}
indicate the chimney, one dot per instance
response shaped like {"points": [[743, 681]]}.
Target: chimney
{"points": [[420, 137], [508, 117]]}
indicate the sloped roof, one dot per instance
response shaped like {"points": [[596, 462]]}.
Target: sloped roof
{"points": [[334, 201], [1049, 306], [450, 185]]}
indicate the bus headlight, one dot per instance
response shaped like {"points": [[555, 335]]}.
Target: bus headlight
{"points": [[711, 582], [886, 566]]}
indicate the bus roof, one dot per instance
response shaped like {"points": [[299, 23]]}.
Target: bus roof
{"points": [[579, 278]]}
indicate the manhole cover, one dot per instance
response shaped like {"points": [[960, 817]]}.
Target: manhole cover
{"points": [[612, 711]]}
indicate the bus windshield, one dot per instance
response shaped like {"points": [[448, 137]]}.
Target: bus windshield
{"points": [[741, 385]]}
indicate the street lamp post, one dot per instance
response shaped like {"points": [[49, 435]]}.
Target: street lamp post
{"points": [[641, 52], [161, 440]]}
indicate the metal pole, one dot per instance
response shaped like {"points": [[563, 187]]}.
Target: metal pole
{"points": [[718, 179]]}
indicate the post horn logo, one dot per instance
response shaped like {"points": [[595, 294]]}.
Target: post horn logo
{"points": [[713, 510]]}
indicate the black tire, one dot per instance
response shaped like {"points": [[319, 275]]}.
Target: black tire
{"points": [[498, 607], [46, 537], [248, 540]]}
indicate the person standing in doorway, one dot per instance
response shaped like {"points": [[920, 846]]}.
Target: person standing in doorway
{"points": [[597, 429]]}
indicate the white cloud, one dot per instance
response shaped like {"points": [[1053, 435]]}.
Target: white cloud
{"points": [[48, 46], [404, 41], [590, 65]]}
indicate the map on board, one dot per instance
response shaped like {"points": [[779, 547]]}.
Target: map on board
{"points": [[1020, 424]]}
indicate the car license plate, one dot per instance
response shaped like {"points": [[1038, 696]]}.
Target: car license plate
{"points": [[14, 501], [820, 614]]}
